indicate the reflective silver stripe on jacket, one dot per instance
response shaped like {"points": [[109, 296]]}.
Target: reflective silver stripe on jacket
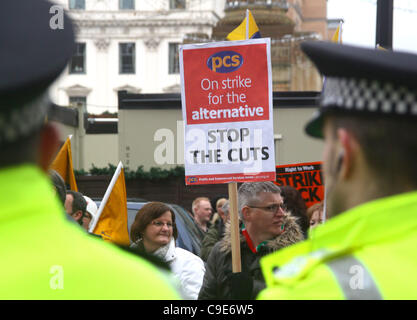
{"points": [[354, 279]]}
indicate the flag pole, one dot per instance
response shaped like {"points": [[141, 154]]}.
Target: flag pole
{"points": [[247, 24], [339, 40], [106, 196], [234, 215]]}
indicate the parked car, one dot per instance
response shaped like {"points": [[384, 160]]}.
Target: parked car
{"points": [[189, 234]]}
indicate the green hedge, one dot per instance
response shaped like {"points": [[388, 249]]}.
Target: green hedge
{"points": [[153, 174]]}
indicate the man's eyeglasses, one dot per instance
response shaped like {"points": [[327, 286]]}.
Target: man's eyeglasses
{"points": [[159, 224], [272, 208]]}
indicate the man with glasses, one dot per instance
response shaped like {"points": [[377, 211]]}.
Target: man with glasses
{"points": [[265, 228]]}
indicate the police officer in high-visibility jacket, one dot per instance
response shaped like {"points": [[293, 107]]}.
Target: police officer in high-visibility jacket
{"points": [[42, 255], [368, 118]]}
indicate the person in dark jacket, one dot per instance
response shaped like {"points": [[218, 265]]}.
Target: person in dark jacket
{"points": [[217, 205], [215, 232], [202, 212], [265, 228], [296, 206]]}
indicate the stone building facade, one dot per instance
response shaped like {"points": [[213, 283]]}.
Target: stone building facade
{"points": [[133, 44], [128, 45]]}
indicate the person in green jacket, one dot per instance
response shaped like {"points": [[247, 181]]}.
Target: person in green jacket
{"points": [[43, 256], [216, 232], [368, 118]]}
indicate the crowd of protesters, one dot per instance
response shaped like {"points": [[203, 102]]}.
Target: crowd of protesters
{"points": [[270, 218]]}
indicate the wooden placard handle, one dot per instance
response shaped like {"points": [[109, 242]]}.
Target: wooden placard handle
{"points": [[234, 225]]}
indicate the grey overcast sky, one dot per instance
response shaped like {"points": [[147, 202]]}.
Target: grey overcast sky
{"points": [[360, 22]]}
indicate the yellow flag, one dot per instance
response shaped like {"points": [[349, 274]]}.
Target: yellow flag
{"points": [[240, 32], [111, 221], [63, 165], [337, 37]]}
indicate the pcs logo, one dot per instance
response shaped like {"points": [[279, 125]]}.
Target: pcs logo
{"points": [[192, 179], [225, 61]]}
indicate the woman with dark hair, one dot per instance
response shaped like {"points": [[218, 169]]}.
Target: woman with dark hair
{"points": [[296, 205], [154, 231]]}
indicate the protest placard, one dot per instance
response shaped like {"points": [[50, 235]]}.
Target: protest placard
{"points": [[226, 93], [305, 177]]}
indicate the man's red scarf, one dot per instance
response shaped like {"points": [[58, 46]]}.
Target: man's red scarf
{"points": [[250, 242]]}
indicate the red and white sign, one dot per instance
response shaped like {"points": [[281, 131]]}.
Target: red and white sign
{"points": [[227, 110]]}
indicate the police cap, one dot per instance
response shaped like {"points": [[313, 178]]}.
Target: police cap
{"points": [[36, 43], [363, 81]]}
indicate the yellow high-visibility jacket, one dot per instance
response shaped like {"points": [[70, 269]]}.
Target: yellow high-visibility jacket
{"points": [[44, 256], [368, 252]]}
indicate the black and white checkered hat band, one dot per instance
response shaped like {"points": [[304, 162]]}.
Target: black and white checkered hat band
{"points": [[20, 122], [368, 95]]}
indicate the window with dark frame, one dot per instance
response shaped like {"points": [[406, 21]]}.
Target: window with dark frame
{"points": [[77, 101], [174, 59], [126, 4], [177, 4], [127, 58], [77, 63], [77, 4]]}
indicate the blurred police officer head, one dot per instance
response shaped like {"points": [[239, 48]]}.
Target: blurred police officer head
{"points": [[368, 119], [34, 50]]}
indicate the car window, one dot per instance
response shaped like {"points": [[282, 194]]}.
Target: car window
{"points": [[183, 216], [131, 215]]}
